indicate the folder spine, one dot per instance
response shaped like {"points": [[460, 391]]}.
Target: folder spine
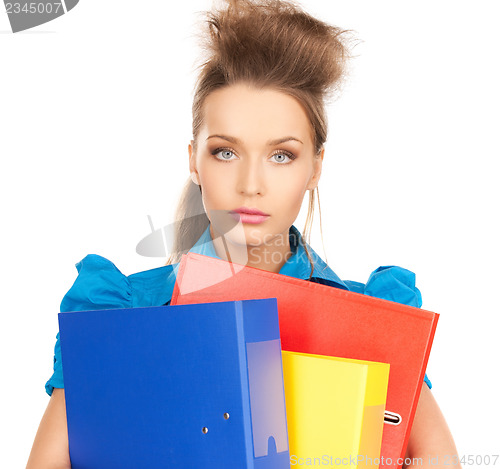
{"points": [[245, 386]]}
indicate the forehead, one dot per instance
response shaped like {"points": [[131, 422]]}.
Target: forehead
{"points": [[247, 112]]}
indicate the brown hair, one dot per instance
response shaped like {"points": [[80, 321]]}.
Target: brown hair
{"points": [[272, 44]]}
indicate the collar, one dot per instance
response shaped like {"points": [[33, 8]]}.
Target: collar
{"points": [[297, 265]]}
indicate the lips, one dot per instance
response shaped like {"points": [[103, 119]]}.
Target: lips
{"points": [[249, 215], [250, 211]]}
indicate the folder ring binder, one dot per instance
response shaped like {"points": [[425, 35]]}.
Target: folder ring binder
{"points": [[392, 418]]}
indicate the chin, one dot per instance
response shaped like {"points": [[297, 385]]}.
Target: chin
{"points": [[245, 235]]}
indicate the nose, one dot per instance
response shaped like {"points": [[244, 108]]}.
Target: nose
{"points": [[251, 180]]}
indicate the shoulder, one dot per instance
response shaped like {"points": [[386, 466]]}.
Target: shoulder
{"points": [[391, 283], [101, 285]]}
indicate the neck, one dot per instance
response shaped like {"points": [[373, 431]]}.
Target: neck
{"points": [[270, 256]]}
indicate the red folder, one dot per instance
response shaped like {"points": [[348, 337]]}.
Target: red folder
{"points": [[320, 319]]}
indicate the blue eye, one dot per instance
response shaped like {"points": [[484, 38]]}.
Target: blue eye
{"points": [[283, 155], [225, 154]]}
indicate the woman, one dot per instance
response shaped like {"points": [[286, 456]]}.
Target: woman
{"points": [[259, 126]]}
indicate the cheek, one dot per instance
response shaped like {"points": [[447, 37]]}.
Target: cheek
{"points": [[290, 190], [214, 181]]}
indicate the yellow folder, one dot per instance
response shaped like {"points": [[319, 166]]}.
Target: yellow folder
{"points": [[335, 409]]}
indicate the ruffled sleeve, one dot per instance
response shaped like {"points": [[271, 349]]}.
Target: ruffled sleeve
{"points": [[391, 283], [99, 285], [394, 284]]}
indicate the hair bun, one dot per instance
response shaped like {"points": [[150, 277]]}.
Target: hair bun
{"points": [[274, 42]]}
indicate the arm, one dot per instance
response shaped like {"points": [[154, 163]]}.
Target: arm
{"points": [[50, 449], [430, 437]]}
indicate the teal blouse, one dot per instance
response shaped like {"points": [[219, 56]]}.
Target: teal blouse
{"points": [[100, 285]]}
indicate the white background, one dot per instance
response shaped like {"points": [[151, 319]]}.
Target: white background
{"points": [[95, 119]]}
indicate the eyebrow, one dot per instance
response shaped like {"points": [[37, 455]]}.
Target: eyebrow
{"points": [[269, 143]]}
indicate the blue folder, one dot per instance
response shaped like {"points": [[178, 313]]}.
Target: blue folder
{"points": [[185, 386]]}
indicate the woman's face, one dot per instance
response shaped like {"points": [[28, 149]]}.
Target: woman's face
{"points": [[254, 150]]}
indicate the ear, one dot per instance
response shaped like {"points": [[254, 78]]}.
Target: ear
{"points": [[318, 163], [192, 164]]}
